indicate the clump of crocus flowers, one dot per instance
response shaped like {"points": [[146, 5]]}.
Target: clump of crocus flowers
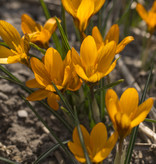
{"points": [[55, 75]]}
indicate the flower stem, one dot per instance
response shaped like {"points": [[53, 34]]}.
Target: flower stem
{"points": [[120, 147], [95, 108], [146, 52]]}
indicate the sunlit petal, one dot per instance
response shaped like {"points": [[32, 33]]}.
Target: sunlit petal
{"points": [[142, 112], [38, 95], [9, 34]]}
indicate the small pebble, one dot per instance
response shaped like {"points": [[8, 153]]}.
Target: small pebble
{"points": [[22, 113]]}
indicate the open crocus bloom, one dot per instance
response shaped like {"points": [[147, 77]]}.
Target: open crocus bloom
{"points": [[52, 70], [93, 64], [125, 113], [82, 10], [19, 47], [112, 35], [148, 16], [97, 144], [38, 34]]}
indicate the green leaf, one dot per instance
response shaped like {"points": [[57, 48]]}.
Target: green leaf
{"points": [[7, 160], [63, 35], [45, 9], [109, 85], [150, 120], [38, 48]]}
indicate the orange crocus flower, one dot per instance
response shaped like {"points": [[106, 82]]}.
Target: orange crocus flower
{"points": [[52, 69], [148, 16], [92, 65], [112, 35], [126, 113], [97, 144], [82, 10], [38, 34], [19, 47]]}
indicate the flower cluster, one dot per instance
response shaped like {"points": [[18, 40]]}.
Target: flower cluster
{"points": [[95, 61]]}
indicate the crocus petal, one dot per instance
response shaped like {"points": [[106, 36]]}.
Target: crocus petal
{"points": [[9, 34], [85, 134], [67, 77], [75, 57], [106, 56], [142, 112], [33, 84], [53, 62], [84, 12], [77, 150], [88, 52], [97, 37], [129, 101], [101, 155], [28, 25], [123, 43], [42, 39], [4, 54], [80, 71], [70, 6], [111, 100], [53, 100], [110, 69], [98, 137], [153, 9], [142, 12], [113, 34], [97, 5], [51, 25], [14, 59], [40, 72], [38, 95]]}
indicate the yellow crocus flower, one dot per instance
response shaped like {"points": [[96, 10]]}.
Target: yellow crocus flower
{"points": [[93, 64], [148, 16], [38, 34], [52, 69], [19, 47], [125, 113], [112, 35], [97, 144], [82, 10]]}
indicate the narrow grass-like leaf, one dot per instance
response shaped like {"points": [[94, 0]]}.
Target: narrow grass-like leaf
{"points": [[63, 18], [45, 9], [81, 139], [135, 130], [57, 43], [4, 44], [125, 12], [7, 161], [64, 101], [48, 152], [150, 120], [102, 100], [17, 81], [51, 131], [109, 85], [63, 35], [38, 48]]}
